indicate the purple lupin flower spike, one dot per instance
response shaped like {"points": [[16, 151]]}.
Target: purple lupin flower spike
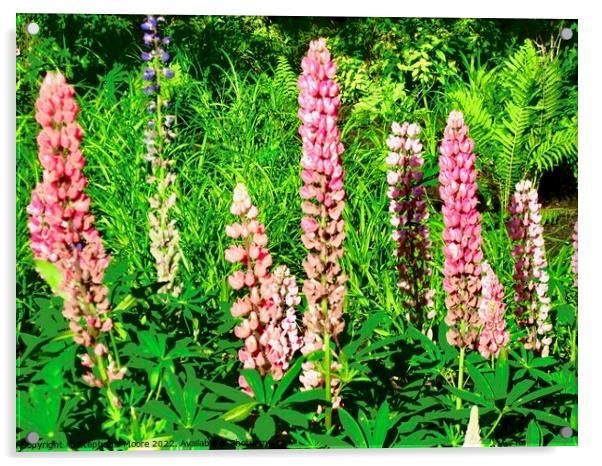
{"points": [[158, 135], [530, 276]]}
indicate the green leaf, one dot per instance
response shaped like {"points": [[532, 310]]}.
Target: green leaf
{"points": [[254, 380], [502, 375], [176, 395], [381, 426], [480, 383], [407, 427], [240, 412], [152, 344], [543, 362], [533, 435], [265, 427], [300, 397], [426, 343], [224, 429], [268, 387], [566, 314], [288, 378], [160, 410], [518, 390], [51, 275], [331, 442], [227, 392], [469, 396], [124, 304], [367, 329], [538, 394], [352, 429], [451, 352], [290, 416], [547, 417]]}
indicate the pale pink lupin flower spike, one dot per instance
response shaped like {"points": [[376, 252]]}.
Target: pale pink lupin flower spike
{"points": [[408, 216], [323, 202], [462, 233], [493, 334], [574, 257], [62, 227], [530, 276], [268, 308]]}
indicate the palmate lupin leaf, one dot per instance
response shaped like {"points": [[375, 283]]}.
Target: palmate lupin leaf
{"points": [[52, 275]]}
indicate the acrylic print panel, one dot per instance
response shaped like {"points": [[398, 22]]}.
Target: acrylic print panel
{"points": [[271, 232]]}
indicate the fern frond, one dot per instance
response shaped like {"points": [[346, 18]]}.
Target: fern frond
{"points": [[510, 163], [551, 91], [553, 150], [551, 215], [285, 78]]}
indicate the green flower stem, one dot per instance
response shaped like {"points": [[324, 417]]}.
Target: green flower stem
{"points": [[574, 346], [460, 376], [328, 395], [497, 421]]}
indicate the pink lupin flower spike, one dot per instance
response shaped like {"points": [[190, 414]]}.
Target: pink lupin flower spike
{"points": [[323, 202], [491, 311], [462, 233], [268, 307], [62, 227]]}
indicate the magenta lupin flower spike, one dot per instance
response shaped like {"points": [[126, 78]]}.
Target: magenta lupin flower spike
{"points": [[575, 256], [62, 229], [530, 276], [268, 308], [408, 216], [491, 311], [323, 202], [462, 233]]}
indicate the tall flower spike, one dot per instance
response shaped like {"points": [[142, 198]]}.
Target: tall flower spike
{"points": [[408, 210], [530, 276], [494, 334], [323, 202], [159, 133], [462, 233], [574, 258], [268, 308], [62, 230]]}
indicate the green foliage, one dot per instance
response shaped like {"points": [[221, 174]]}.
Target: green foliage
{"points": [[522, 116]]}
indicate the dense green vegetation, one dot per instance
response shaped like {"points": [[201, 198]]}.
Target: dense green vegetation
{"points": [[235, 97]]}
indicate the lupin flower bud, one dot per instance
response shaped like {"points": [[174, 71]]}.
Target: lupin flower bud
{"points": [[491, 311], [408, 216], [462, 233], [268, 308], [163, 232], [62, 227], [530, 276], [323, 202], [574, 257]]}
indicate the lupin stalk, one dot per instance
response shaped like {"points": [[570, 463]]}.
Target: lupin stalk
{"points": [[63, 234], [323, 226], [159, 134]]}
